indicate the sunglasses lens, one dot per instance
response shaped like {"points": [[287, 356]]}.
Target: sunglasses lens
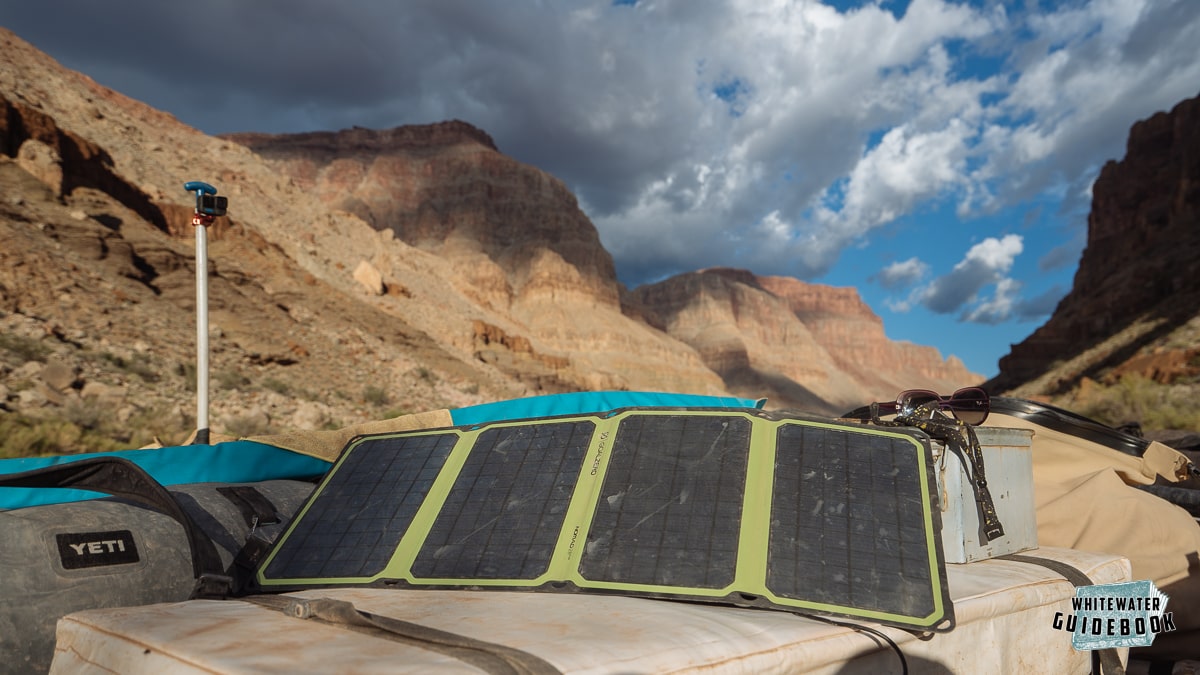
{"points": [[971, 405], [912, 399]]}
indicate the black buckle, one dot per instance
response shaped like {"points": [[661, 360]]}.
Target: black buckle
{"points": [[212, 587]]}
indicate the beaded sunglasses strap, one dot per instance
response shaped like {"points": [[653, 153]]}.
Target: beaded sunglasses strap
{"points": [[960, 437], [992, 529]]}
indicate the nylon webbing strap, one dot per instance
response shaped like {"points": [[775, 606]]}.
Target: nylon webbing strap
{"points": [[256, 509], [1103, 660], [491, 657]]}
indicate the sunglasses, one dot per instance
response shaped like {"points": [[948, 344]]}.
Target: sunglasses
{"points": [[969, 404]]}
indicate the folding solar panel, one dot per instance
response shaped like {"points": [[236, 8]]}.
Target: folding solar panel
{"points": [[736, 506]]}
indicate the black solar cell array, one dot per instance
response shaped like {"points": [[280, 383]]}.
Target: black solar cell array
{"points": [[646, 501], [504, 513], [852, 530], [670, 509], [353, 524]]}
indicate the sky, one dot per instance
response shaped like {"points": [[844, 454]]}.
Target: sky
{"points": [[937, 155]]}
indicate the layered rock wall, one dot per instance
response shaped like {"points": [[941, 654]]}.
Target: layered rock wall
{"points": [[515, 237], [1141, 265], [446, 188], [801, 345]]}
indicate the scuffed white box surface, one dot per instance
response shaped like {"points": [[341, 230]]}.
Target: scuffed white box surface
{"points": [[1008, 467]]}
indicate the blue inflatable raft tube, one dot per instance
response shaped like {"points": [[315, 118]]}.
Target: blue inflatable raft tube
{"points": [[231, 462], [246, 461], [590, 402]]}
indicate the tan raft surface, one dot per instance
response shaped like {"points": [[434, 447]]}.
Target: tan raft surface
{"points": [[1004, 610]]}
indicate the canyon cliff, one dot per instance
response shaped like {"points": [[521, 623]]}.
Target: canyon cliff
{"points": [[801, 345], [1135, 299], [358, 274], [520, 244]]}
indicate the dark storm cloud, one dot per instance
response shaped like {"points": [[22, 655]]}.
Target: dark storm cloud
{"points": [[551, 91], [283, 52], [1062, 256], [769, 136]]}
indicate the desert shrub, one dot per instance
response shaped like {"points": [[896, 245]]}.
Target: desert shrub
{"points": [[188, 372], [1136, 398], [227, 380], [376, 396], [24, 348], [87, 415], [138, 364], [162, 424], [247, 425], [278, 386], [395, 412], [24, 436]]}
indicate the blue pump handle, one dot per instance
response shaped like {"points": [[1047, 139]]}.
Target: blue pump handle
{"points": [[199, 187]]}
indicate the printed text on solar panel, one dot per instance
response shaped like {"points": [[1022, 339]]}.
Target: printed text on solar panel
{"points": [[670, 509], [505, 511]]}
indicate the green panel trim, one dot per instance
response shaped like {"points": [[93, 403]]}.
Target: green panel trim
{"points": [[410, 544], [756, 508], [574, 535], [753, 547]]}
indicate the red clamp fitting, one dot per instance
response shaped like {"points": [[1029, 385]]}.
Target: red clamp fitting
{"points": [[202, 219]]}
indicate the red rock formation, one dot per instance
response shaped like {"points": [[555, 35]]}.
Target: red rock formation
{"points": [[66, 160], [1142, 261], [854, 337], [515, 237], [801, 345], [521, 245], [447, 189]]}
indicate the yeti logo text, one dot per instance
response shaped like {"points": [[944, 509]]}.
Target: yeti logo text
{"points": [[110, 545], [96, 549]]}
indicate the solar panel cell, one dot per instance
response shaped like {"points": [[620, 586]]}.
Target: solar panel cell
{"points": [[363, 510], [503, 516], [837, 536], [671, 504]]}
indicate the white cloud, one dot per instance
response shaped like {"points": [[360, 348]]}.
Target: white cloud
{"points": [[1083, 76], [986, 263], [905, 167], [902, 274], [813, 85], [994, 254], [999, 307]]}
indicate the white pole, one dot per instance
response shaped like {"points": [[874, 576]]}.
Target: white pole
{"points": [[201, 335], [207, 208]]}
